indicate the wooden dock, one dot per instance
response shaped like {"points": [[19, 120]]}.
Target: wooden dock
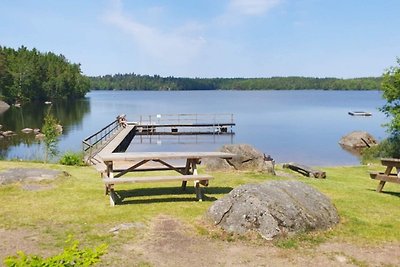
{"points": [[185, 124]]}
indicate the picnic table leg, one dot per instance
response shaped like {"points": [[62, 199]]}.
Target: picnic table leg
{"points": [[113, 197], [382, 183], [186, 172], [110, 188], [197, 188], [380, 186]]}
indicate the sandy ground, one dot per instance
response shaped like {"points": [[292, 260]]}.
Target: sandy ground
{"points": [[168, 242]]}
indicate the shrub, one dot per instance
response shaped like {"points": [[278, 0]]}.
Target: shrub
{"points": [[71, 256], [72, 159], [388, 148]]}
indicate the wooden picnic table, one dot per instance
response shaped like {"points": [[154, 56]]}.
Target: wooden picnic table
{"points": [[387, 176], [137, 160]]}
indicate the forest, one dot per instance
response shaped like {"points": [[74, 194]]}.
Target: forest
{"points": [[145, 82], [27, 75]]}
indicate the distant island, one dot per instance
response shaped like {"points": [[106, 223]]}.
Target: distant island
{"points": [[145, 82]]}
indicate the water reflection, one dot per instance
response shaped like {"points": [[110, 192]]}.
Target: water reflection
{"points": [[31, 115]]}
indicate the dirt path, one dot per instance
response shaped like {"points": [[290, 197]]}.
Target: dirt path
{"points": [[170, 243]]}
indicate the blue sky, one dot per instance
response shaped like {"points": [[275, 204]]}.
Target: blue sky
{"points": [[211, 38]]}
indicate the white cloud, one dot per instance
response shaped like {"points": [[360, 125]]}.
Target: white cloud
{"points": [[252, 7], [238, 10], [176, 46]]}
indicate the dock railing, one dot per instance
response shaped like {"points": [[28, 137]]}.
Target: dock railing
{"points": [[187, 119], [92, 144]]}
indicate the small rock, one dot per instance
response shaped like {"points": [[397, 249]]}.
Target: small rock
{"points": [[341, 259], [8, 133], [27, 130], [59, 128], [40, 136]]}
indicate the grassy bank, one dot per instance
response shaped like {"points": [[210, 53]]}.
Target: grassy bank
{"points": [[76, 204]]}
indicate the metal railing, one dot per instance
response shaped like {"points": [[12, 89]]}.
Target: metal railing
{"points": [[92, 144], [221, 118]]}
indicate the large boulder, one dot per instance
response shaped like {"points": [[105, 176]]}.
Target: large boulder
{"points": [[358, 140], [273, 209], [247, 159]]}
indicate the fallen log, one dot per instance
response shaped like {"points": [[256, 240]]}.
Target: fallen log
{"points": [[305, 170]]}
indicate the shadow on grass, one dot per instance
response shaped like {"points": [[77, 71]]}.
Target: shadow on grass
{"points": [[169, 194], [396, 194]]}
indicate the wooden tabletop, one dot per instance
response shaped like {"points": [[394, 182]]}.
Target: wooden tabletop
{"points": [[391, 162], [132, 156]]}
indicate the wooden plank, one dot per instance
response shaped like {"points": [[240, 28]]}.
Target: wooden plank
{"points": [[116, 140], [387, 178], [152, 179], [391, 162], [129, 156], [383, 178], [179, 169], [305, 170]]}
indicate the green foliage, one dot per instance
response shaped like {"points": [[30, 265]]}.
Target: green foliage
{"points": [[71, 256], [72, 159], [30, 75], [51, 134], [300, 240], [391, 92], [388, 148], [146, 82]]}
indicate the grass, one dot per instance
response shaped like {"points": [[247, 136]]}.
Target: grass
{"points": [[77, 205]]}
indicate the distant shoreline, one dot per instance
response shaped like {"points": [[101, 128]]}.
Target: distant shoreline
{"points": [[157, 83]]}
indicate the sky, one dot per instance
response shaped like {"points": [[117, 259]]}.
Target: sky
{"points": [[210, 38]]}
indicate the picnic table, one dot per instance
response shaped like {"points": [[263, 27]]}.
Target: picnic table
{"points": [[139, 161], [387, 176]]}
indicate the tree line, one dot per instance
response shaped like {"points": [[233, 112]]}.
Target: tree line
{"points": [[145, 82], [27, 75]]}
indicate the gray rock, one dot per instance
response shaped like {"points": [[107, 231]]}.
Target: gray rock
{"points": [[8, 133], [28, 175], [126, 226], [247, 158], [273, 209], [358, 140], [27, 130], [3, 106], [59, 128], [40, 136]]}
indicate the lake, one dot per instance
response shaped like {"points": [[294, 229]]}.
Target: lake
{"points": [[301, 126]]}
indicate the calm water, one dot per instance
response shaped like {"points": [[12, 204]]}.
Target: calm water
{"points": [[301, 126]]}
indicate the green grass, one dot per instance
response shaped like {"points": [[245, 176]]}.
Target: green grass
{"points": [[77, 205]]}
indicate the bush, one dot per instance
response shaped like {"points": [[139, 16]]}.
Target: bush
{"points": [[388, 148], [71, 256], [72, 159]]}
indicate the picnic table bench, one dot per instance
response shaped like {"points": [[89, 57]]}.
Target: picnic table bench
{"points": [[387, 176], [136, 160]]}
